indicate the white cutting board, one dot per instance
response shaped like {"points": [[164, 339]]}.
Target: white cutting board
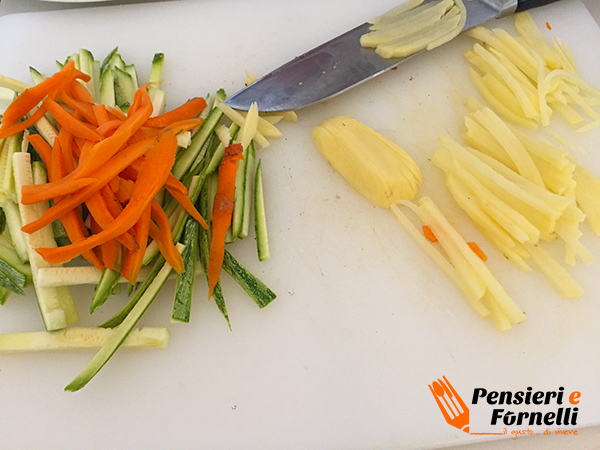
{"points": [[364, 321]]}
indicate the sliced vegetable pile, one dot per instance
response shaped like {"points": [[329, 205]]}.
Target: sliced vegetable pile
{"points": [[93, 168], [522, 192], [415, 26]]}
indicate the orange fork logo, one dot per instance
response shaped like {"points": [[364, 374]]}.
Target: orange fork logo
{"points": [[453, 408]]}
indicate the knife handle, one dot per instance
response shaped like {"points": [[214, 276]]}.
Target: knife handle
{"points": [[524, 5]]}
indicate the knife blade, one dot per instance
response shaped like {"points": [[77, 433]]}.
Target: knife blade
{"points": [[342, 63]]}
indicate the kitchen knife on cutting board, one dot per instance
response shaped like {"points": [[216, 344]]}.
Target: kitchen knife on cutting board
{"points": [[342, 63]]}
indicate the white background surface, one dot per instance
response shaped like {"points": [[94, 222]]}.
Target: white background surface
{"points": [[277, 320]]}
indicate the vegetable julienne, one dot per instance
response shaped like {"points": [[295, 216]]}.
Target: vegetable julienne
{"points": [[118, 182]]}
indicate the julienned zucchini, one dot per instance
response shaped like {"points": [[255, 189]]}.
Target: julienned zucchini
{"points": [[57, 310], [256, 289], [105, 287], [114, 341], [184, 289], [114, 83], [76, 338], [260, 220]]}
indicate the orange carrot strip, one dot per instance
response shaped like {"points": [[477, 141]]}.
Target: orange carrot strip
{"points": [[94, 160], [188, 110], [76, 231], [187, 204], [185, 125], [76, 127], [152, 177], [80, 92], [71, 221], [101, 114], [116, 113], [42, 147], [110, 252], [164, 239], [114, 187], [23, 125], [66, 145], [107, 128], [175, 187], [85, 109], [125, 190], [477, 250], [109, 171], [31, 97], [132, 262], [73, 186], [110, 198], [172, 184], [105, 149], [97, 207], [222, 212], [429, 234]]}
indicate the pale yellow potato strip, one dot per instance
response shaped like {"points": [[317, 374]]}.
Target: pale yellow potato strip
{"points": [[394, 14], [238, 118], [587, 194], [564, 283], [492, 90], [510, 80], [404, 27], [514, 313], [512, 221], [517, 152], [437, 256]]}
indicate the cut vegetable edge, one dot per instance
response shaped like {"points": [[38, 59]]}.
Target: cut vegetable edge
{"points": [[80, 338]]}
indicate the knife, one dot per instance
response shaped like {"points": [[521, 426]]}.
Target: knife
{"points": [[342, 63]]}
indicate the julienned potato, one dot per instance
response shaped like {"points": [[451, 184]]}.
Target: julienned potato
{"points": [[373, 165]]}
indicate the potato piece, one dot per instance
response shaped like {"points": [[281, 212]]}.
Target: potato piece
{"points": [[587, 194], [373, 165]]}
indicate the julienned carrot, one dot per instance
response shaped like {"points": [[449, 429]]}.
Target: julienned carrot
{"points": [[429, 234], [187, 204], [85, 109], [109, 127], [152, 177], [186, 125], [101, 114], [76, 231], [66, 120], [116, 113], [71, 221], [138, 100], [111, 252], [100, 212], [42, 147], [110, 170], [477, 250], [94, 160], [66, 146], [189, 109], [80, 92], [132, 262], [95, 148], [31, 97], [222, 212], [23, 125], [177, 190], [164, 238]]}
